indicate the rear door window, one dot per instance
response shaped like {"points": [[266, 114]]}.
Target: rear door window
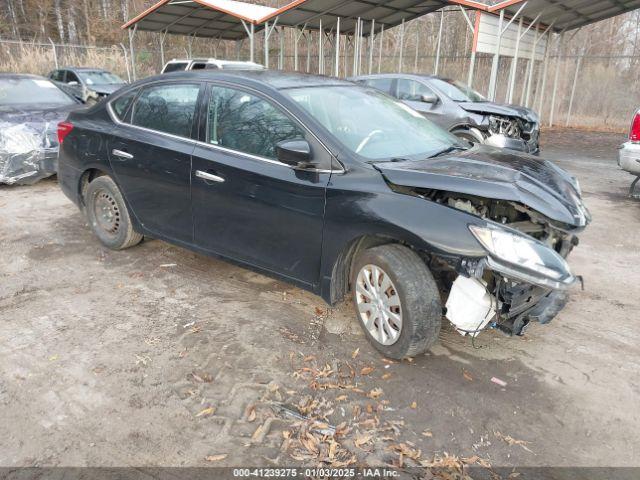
{"points": [[58, 75], [72, 77], [175, 67], [167, 108], [412, 91], [247, 123], [382, 84]]}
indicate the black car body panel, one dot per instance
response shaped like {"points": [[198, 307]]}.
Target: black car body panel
{"points": [[301, 225], [494, 173]]}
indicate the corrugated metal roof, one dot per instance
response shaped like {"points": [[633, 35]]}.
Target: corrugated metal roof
{"points": [[201, 18], [390, 13], [568, 14], [223, 18]]}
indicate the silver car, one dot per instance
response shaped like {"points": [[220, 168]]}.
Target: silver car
{"points": [[463, 111], [629, 154]]}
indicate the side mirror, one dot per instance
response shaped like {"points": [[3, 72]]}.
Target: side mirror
{"points": [[296, 153], [429, 99], [72, 83]]}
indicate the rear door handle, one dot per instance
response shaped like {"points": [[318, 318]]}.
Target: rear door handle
{"points": [[121, 154], [210, 177]]}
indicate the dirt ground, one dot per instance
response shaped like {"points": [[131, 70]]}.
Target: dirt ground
{"points": [[157, 356]]}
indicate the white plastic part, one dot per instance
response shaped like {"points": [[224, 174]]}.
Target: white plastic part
{"points": [[470, 306]]}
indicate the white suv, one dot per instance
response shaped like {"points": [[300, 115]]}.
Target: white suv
{"points": [[179, 65]]}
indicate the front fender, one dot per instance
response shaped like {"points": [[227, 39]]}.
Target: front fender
{"points": [[352, 213]]}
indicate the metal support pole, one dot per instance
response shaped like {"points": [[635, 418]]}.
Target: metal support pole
{"points": [[126, 62], [532, 66], [360, 45], [162, 38], [401, 55], [472, 63], [372, 45], [281, 57], [496, 61], [356, 44], [266, 44], [436, 68], [514, 64], [554, 94], [542, 80], [534, 52], [415, 62], [132, 34], [55, 54], [321, 50], [267, 34], [337, 66], [251, 30], [252, 43], [573, 88], [381, 46], [309, 52]]}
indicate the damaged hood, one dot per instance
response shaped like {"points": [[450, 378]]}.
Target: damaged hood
{"points": [[496, 174], [491, 108]]}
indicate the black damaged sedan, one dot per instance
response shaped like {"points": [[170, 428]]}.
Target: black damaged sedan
{"points": [[336, 188]]}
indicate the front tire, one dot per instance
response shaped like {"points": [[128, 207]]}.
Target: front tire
{"points": [[108, 215], [397, 301]]}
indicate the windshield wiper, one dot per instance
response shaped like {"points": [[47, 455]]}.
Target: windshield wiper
{"points": [[449, 150]]}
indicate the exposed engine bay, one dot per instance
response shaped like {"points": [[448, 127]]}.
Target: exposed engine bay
{"points": [[487, 297], [512, 132]]}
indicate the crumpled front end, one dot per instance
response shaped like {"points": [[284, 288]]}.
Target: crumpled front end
{"points": [[513, 133], [28, 152]]}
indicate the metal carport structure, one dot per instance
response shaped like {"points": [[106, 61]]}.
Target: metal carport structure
{"points": [[550, 16], [235, 20]]}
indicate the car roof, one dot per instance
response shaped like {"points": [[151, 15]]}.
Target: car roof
{"points": [[83, 69], [401, 75], [272, 78]]}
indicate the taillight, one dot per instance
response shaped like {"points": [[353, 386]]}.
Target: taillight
{"points": [[64, 129], [634, 136]]}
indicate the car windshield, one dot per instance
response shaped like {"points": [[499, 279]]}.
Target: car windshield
{"points": [[457, 91], [372, 124], [100, 78], [31, 91]]}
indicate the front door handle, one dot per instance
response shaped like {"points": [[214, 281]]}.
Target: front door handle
{"points": [[210, 177], [121, 154]]}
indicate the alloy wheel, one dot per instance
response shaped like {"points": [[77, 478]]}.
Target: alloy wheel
{"points": [[379, 304]]}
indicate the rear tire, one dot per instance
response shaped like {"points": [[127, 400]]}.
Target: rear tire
{"points": [[108, 215], [402, 316]]}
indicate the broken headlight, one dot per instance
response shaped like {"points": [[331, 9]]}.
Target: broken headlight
{"points": [[523, 257]]}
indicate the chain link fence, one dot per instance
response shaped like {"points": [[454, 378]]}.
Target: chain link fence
{"points": [[606, 94]]}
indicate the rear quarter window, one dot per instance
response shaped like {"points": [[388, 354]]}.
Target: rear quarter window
{"points": [[121, 105]]}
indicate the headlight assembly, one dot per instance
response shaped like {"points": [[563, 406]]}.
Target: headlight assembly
{"points": [[523, 257]]}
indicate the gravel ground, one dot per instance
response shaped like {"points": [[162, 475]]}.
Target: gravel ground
{"points": [[157, 356]]}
